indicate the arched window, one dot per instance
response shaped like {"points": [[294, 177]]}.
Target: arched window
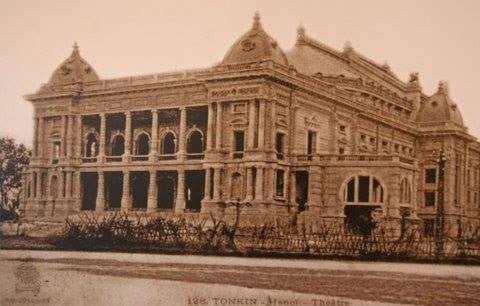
{"points": [[195, 142], [118, 145], [91, 147], [363, 189], [168, 143], [142, 144], [405, 192]]}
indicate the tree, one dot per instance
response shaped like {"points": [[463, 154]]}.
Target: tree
{"points": [[13, 158]]}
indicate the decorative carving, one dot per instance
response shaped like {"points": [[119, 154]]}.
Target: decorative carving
{"points": [[248, 45]]}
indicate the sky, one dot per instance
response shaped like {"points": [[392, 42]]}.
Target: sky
{"points": [[439, 39]]}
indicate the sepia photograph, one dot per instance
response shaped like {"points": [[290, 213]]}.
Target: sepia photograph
{"points": [[270, 152]]}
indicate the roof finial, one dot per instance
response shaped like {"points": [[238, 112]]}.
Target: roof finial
{"points": [[301, 31], [443, 87], [256, 21], [75, 47], [347, 47]]}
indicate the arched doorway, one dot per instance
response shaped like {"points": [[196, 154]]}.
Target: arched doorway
{"points": [[118, 145], [195, 142], [168, 143], [142, 144], [91, 146], [363, 199]]}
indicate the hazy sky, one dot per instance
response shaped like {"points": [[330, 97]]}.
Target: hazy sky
{"points": [[440, 39]]}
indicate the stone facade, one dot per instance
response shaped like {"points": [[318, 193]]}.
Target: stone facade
{"points": [[312, 133]]}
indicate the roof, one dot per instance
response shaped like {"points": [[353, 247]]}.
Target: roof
{"points": [[255, 45], [440, 108], [72, 70], [311, 58]]}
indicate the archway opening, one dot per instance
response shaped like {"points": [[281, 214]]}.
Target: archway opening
{"points": [[143, 144], [118, 145], [91, 147], [168, 144], [195, 143], [363, 197]]}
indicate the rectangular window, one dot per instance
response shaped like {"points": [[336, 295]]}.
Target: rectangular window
{"points": [[343, 129], [279, 145], [239, 145], [311, 142], [280, 182], [428, 227], [429, 198], [341, 151], [430, 175]]}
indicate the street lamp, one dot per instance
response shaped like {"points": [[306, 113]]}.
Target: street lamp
{"points": [[439, 220]]}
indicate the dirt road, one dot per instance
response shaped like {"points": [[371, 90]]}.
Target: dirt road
{"points": [[76, 278]]}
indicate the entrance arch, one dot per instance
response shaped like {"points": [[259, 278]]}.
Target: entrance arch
{"points": [[142, 144], [195, 142], [118, 145], [91, 146], [363, 197]]}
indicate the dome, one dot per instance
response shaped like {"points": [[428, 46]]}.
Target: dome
{"points": [[255, 45], [440, 108], [72, 70]]}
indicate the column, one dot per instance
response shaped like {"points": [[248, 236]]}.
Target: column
{"points": [[273, 118], [35, 138], [153, 151], [355, 190], [125, 203], [208, 187], [61, 184], [76, 190], [40, 136], [78, 137], [68, 184], [293, 190], [210, 127], [102, 138], [259, 184], [216, 183], [69, 136], [271, 183], [100, 203], [38, 183], [63, 136], [128, 133], [251, 125], [249, 184], [182, 136], [180, 203], [152, 192], [261, 125], [218, 129]]}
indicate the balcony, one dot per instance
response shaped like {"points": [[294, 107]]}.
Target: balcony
{"points": [[361, 158]]}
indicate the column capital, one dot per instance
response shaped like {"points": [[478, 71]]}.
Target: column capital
{"points": [[154, 110]]}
